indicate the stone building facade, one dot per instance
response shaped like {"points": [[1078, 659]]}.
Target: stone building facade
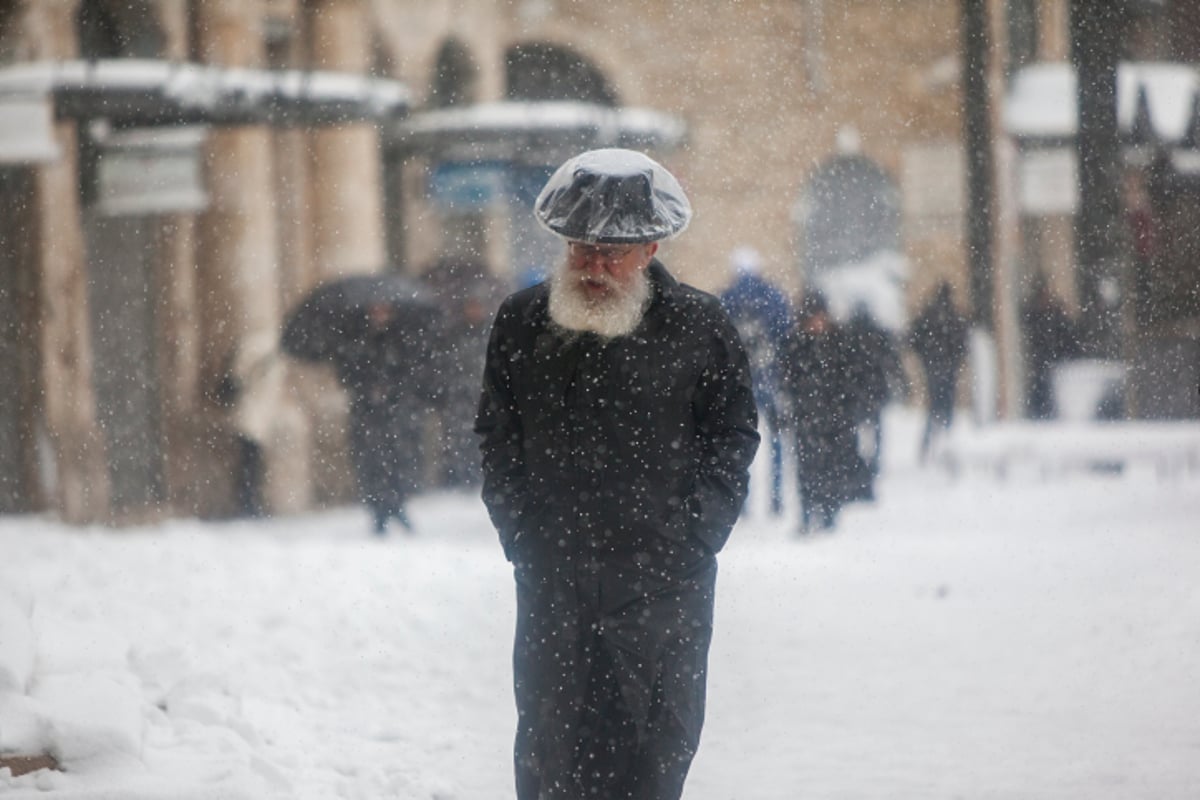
{"points": [[117, 324]]}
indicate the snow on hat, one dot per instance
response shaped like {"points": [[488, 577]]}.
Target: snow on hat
{"points": [[613, 196], [745, 260]]}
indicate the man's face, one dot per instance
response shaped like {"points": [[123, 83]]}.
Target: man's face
{"points": [[605, 269], [601, 288]]}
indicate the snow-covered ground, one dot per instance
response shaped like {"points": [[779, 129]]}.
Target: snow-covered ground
{"points": [[1029, 636]]}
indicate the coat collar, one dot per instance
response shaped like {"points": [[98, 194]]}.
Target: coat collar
{"points": [[664, 282]]}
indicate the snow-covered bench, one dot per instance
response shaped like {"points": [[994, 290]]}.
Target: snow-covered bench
{"points": [[1171, 449]]}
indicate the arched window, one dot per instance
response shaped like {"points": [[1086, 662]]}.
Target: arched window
{"points": [[538, 71], [454, 76], [119, 30]]}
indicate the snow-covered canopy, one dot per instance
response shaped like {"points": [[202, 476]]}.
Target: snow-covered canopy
{"points": [[1041, 104], [520, 130], [149, 92]]}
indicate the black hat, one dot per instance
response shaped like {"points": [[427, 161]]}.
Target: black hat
{"points": [[613, 196]]}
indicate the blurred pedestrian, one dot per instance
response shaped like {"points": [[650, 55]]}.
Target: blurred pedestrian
{"points": [[618, 427], [939, 338], [816, 377], [762, 315], [377, 330], [1050, 337], [876, 374], [251, 389], [468, 295], [392, 376]]}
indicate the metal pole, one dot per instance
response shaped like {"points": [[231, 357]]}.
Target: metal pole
{"points": [[977, 136], [1097, 28]]}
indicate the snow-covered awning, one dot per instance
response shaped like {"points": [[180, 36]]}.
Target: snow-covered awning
{"points": [[533, 132], [151, 92], [1041, 104]]}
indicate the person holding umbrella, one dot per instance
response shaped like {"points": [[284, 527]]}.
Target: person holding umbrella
{"points": [[618, 425], [378, 332]]}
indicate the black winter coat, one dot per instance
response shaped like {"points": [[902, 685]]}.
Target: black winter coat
{"points": [[613, 472], [622, 443]]}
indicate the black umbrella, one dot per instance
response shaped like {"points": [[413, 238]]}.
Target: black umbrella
{"points": [[337, 314]]}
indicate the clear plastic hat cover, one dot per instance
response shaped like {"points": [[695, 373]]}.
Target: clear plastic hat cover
{"points": [[613, 196]]}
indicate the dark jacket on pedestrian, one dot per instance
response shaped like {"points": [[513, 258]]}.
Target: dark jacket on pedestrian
{"points": [[762, 316], [1050, 338], [390, 376], [939, 338], [874, 368], [614, 471], [823, 404]]}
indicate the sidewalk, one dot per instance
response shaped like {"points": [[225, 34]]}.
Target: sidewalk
{"points": [[1170, 449]]}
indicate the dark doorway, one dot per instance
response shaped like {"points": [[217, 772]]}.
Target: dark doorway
{"points": [[19, 487]]}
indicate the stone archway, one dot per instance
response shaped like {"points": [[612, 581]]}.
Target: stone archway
{"points": [[455, 76], [125, 29], [541, 71]]}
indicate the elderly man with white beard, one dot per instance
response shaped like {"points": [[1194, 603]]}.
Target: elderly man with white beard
{"points": [[618, 425]]}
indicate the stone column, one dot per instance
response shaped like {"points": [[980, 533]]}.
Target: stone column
{"points": [[81, 489], [178, 316], [238, 272], [1006, 231], [346, 196], [347, 190], [290, 484]]}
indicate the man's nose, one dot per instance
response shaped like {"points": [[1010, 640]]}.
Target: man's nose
{"points": [[593, 264]]}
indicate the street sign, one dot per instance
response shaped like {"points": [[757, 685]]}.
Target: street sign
{"points": [[150, 171], [26, 129], [1049, 182]]}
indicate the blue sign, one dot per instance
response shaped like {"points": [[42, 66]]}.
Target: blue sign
{"points": [[469, 186]]}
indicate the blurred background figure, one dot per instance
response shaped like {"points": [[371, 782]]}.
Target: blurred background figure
{"points": [[939, 338], [816, 380], [877, 374], [1050, 338], [379, 333], [251, 390], [762, 315], [468, 295]]}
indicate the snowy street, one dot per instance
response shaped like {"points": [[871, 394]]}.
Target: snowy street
{"points": [[969, 637]]}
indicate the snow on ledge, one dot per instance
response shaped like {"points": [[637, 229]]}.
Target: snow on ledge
{"points": [[1042, 104], [606, 126], [200, 87]]}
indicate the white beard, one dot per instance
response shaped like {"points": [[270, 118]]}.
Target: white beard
{"points": [[616, 314]]}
